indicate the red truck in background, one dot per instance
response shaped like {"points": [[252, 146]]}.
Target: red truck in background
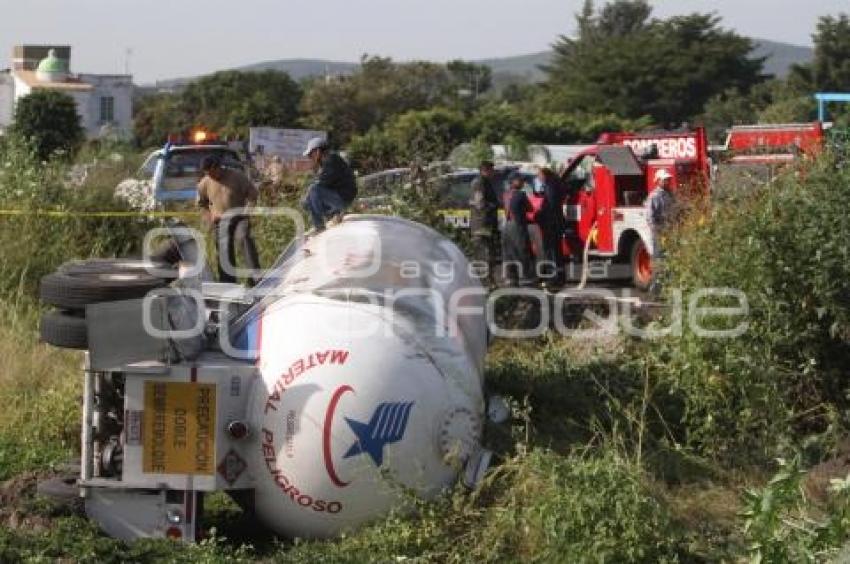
{"points": [[753, 155], [773, 143]]}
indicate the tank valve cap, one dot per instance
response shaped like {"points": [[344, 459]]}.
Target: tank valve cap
{"points": [[238, 429]]}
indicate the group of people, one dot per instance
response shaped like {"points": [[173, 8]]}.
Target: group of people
{"points": [[334, 188], [485, 202], [519, 266], [222, 189]]}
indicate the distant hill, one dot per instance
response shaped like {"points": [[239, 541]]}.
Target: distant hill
{"points": [[519, 68], [781, 56], [304, 68]]}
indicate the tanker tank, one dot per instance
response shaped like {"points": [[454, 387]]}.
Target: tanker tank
{"points": [[369, 340]]}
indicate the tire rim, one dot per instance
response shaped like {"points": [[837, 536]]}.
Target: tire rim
{"points": [[120, 277]]}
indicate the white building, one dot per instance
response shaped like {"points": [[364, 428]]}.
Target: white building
{"points": [[104, 102]]}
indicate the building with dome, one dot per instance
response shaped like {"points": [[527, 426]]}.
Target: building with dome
{"points": [[104, 101]]}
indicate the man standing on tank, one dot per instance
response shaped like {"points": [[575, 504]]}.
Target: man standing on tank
{"points": [[484, 204]]}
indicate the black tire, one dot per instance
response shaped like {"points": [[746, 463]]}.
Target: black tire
{"points": [[76, 291], [64, 330], [112, 265], [641, 265]]}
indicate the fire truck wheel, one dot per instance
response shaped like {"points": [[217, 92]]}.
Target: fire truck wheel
{"points": [[64, 329], [76, 291], [641, 265]]}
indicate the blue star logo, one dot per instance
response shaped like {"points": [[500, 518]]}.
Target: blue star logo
{"points": [[386, 426]]}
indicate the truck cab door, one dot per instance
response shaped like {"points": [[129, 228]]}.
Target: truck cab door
{"points": [[606, 200]]}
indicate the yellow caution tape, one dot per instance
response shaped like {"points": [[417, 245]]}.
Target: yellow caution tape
{"points": [[64, 213]]}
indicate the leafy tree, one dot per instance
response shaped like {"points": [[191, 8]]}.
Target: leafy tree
{"points": [[158, 116], [788, 109], [496, 122], [227, 102], [428, 135], [624, 63], [232, 101], [49, 119], [382, 89], [830, 69], [622, 18], [413, 137], [476, 79], [831, 66]]}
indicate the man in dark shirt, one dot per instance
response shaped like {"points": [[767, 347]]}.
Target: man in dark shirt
{"points": [[516, 242], [550, 218], [484, 204], [333, 188]]}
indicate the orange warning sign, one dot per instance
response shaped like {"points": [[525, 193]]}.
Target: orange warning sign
{"points": [[179, 428]]}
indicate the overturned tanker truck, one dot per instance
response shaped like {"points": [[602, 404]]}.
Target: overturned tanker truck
{"points": [[318, 400]]}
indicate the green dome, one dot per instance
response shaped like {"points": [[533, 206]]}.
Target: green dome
{"points": [[52, 67]]}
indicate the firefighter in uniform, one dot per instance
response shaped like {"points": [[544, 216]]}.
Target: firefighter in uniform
{"points": [[660, 211], [484, 204], [516, 241]]}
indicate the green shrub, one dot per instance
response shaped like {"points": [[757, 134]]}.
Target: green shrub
{"points": [[537, 508], [55, 222], [780, 525], [72, 539], [49, 119], [412, 137], [785, 247]]}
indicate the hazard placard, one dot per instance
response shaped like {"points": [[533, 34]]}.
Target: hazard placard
{"points": [[179, 428]]}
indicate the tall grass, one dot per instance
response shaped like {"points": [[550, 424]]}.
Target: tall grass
{"points": [[784, 382], [33, 243], [40, 391]]}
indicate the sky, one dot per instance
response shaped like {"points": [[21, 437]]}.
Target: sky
{"points": [[175, 38]]}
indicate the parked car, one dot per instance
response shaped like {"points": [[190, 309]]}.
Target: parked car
{"points": [[171, 174]]}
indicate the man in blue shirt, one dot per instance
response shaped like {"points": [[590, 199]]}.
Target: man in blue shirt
{"points": [[660, 209], [516, 242], [660, 213]]}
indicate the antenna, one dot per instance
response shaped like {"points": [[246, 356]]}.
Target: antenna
{"points": [[128, 53]]}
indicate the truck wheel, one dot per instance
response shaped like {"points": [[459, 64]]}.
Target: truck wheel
{"points": [[64, 329], [67, 291], [113, 265], [641, 265]]}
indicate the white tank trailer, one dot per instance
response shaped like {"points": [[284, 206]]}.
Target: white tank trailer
{"points": [[348, 380]]}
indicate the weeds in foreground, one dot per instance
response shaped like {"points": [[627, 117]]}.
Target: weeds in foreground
{"points": [[780, 525]]}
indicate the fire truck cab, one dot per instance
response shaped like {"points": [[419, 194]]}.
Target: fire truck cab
{"points": [[607, 186]]}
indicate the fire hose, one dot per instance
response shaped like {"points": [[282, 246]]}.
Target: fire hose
{"points": [[591, 238]]}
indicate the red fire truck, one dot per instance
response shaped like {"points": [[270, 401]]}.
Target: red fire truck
{"points": [[773, 143], [607, 185]]}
